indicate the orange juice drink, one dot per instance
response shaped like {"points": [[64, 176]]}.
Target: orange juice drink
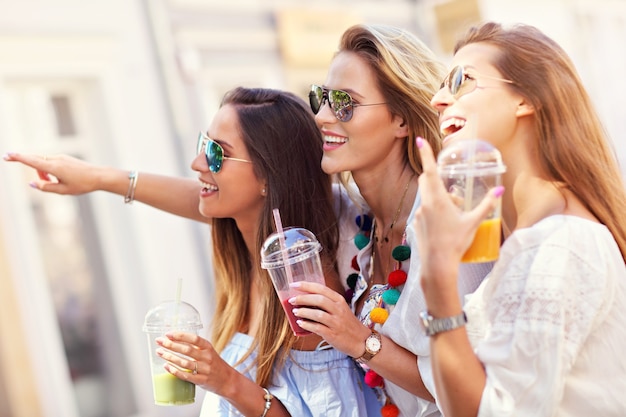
{"points": [[486, 244]]}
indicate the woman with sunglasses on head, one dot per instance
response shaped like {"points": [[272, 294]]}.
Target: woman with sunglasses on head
{"points": [[375, 101], [545, 331], [247, 165]]}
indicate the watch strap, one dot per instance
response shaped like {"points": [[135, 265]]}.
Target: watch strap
{"points": [[433, 326]]}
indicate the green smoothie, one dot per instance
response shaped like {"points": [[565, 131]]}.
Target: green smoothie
{"points": [[169, 390]]}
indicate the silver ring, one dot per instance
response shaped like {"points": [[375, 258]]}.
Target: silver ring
{"points": [[195, 369]]}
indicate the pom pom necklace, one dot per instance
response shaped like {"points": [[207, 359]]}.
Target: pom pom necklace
{"points": [[392, 290]]}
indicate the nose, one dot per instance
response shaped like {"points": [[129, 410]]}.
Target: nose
{"points": [[325, 115], [199, 163], [441, 99]]}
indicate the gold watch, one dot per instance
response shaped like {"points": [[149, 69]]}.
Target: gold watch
{"points": [[373, 343]]}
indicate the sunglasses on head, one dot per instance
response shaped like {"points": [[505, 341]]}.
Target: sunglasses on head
{"points": [[213, 152], [339, 101], [459, 82]]}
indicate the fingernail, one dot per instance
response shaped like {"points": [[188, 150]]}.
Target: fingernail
{"points": [[32, 184], [419, 141], [295, 311], [498, 191], [292, 300], [7, 156], [296, 284]]}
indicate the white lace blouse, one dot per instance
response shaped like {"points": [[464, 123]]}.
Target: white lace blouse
{"points": [[549, 323]]}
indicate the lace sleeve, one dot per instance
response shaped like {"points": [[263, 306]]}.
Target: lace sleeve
{"points": [[538, 307]]}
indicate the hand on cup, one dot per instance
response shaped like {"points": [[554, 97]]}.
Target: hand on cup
{"points": [[469, 170], [292, 257], [164, 318]]}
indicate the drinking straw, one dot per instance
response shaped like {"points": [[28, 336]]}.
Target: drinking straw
{"points": [[283, 245]]}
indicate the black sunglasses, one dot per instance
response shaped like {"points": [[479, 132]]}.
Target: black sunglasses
{"points": [[214, 153], [339, 101], [459, 82]]}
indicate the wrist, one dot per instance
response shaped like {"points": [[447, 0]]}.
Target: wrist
{"points": [[434, 325], [373, 345], [440, 286]]}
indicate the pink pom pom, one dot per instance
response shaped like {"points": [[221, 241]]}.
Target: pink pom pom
{"points": [[372, 379]]}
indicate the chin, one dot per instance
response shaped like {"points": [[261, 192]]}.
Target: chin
{"points": [[329, 166]]}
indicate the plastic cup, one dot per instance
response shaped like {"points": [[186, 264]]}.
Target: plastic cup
{"points": [[165, 317], [469, 169], [296, 258]]}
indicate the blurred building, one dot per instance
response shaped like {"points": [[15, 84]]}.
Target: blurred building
{"points": [[129, 83]]}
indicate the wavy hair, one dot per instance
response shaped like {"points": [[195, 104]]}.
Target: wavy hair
{"points": [[574, 148], [408, 75], [285, 146]]}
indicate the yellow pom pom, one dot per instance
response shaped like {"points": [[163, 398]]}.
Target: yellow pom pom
{"points": [[379, 315]]}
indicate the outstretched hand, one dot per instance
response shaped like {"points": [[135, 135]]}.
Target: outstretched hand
{"points": [[325, 312], [59, 174]]}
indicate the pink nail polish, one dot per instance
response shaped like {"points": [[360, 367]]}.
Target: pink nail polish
{"points": [[498, 191], [419, 141], [32, 185]]}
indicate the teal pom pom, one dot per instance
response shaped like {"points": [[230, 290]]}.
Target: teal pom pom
{"points": [[361, 241], [390, 297], [401, 253], [351, 281]]}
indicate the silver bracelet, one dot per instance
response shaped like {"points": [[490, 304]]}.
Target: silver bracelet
{"points": [[132, 184], [268, 401]]}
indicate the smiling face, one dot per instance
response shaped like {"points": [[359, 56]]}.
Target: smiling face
{"points": [[368, 138], [235, 191], [486, 107]]}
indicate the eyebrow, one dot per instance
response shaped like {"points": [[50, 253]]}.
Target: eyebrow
{"points": [[221, 142], [353, 93]]}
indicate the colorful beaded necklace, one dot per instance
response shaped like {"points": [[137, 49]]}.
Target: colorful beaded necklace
{"points": [[389, 298]]}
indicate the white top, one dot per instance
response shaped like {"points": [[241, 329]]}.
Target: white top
{"points": [[548, 323], [403, 325]]}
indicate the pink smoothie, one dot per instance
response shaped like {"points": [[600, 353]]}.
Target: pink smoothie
{"points": [[297, 330]]}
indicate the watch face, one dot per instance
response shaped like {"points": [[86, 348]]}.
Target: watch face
{"points": [[373, 344]]}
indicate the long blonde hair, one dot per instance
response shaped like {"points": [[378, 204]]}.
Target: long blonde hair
{"points": [[408, 75], [285, 146], [574, 148]]}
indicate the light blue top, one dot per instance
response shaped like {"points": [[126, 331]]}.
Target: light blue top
{"points": [[311, 384]]}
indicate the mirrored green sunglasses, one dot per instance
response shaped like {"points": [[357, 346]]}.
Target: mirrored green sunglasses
{"points": [[214, 153]]}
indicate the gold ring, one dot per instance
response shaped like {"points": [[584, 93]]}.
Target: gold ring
{"points": [[195, 369]]}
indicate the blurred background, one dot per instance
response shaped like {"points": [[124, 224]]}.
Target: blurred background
{"points": [[130, 83]]}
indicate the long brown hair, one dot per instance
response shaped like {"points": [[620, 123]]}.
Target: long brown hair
{"points": [[285, 147], [574, 148]]}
